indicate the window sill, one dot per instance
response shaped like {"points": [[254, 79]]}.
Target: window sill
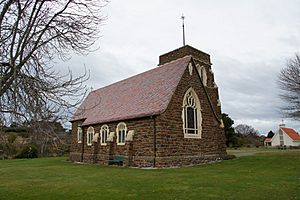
{"points": [[121, 143], [79, 142], [193, 136], [103, 144]]}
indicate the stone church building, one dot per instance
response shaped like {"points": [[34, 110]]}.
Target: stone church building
{"points": [[167, 116]]}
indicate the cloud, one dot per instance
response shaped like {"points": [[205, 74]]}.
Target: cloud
{"points": [[249, 42]]}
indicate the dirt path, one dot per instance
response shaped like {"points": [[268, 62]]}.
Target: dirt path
{"points": [[239, 154]]}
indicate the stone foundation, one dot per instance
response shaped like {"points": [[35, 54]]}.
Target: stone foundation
{"points": [[145, 162]]}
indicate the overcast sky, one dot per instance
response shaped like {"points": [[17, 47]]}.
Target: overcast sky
{"points": [[249, 42]]}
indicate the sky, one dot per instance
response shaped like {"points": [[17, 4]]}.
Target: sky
{"points": [[249, 43]]}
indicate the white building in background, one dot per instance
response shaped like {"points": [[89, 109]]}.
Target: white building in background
{"points": [[285, 137]]}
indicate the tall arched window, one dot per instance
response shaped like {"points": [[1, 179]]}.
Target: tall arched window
{"points": [[121, 133], [79, 135], [90, 136], [191, 115], [104, 134], [202, 74]]}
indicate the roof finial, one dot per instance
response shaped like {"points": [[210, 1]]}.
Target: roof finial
{"points": [[183, 34], [282, 124]]}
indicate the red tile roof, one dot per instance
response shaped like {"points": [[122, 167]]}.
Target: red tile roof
{"points": [[291, 133], [268, 140], [145, 94]]}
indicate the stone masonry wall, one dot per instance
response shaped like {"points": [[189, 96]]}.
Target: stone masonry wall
{"points": [[75, 149], [172, 149], [140, 151], [175, 150], [184, 51], [211, 87]]}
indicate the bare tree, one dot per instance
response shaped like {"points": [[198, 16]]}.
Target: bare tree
{"points": [[289, 83], [33, 33], [245, 130], [47, 136], [248, 136]]}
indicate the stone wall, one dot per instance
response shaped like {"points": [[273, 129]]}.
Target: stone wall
{"points": [[76, 148], [139, 152], [175, 150], [170, 148], [184, 51]]}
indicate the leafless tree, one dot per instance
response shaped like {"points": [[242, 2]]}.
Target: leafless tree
{"points": [[33, 34], [289, 83], [48, 137], [245, 130]]}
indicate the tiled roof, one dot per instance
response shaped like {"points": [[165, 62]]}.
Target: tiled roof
{"points": [[291, 133], [268, 140], [145, 94]]}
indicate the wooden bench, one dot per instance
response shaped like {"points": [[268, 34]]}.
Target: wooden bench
{"points": [[116, 160]]}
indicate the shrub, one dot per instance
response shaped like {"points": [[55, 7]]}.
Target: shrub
{"points": [[26, 153], [11, 138], [24, 135]]}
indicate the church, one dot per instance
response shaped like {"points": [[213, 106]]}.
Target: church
{"points": [[165, 117]]}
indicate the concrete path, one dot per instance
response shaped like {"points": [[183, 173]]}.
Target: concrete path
{"points": [[251, 153]]}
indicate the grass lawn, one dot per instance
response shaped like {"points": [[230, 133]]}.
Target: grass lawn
{"points": [[274, 175]]}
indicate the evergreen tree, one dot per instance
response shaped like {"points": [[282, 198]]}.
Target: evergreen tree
{"points": [[270, 134], [231, 136]]}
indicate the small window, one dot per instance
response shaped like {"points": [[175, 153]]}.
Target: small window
{"points": [[121, 133], [90, 135], [191, 115], [104, 134], [79, 135]]}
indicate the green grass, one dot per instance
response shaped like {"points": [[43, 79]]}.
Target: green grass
{"points": [[262, 176]]}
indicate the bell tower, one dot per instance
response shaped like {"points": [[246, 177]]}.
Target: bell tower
{"points": [[203, 66]]}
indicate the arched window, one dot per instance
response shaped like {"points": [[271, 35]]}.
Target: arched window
{"points": [[121, 133], [191, 115], [202, 74], [90, 136], [104, 134], [79, 134]]}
